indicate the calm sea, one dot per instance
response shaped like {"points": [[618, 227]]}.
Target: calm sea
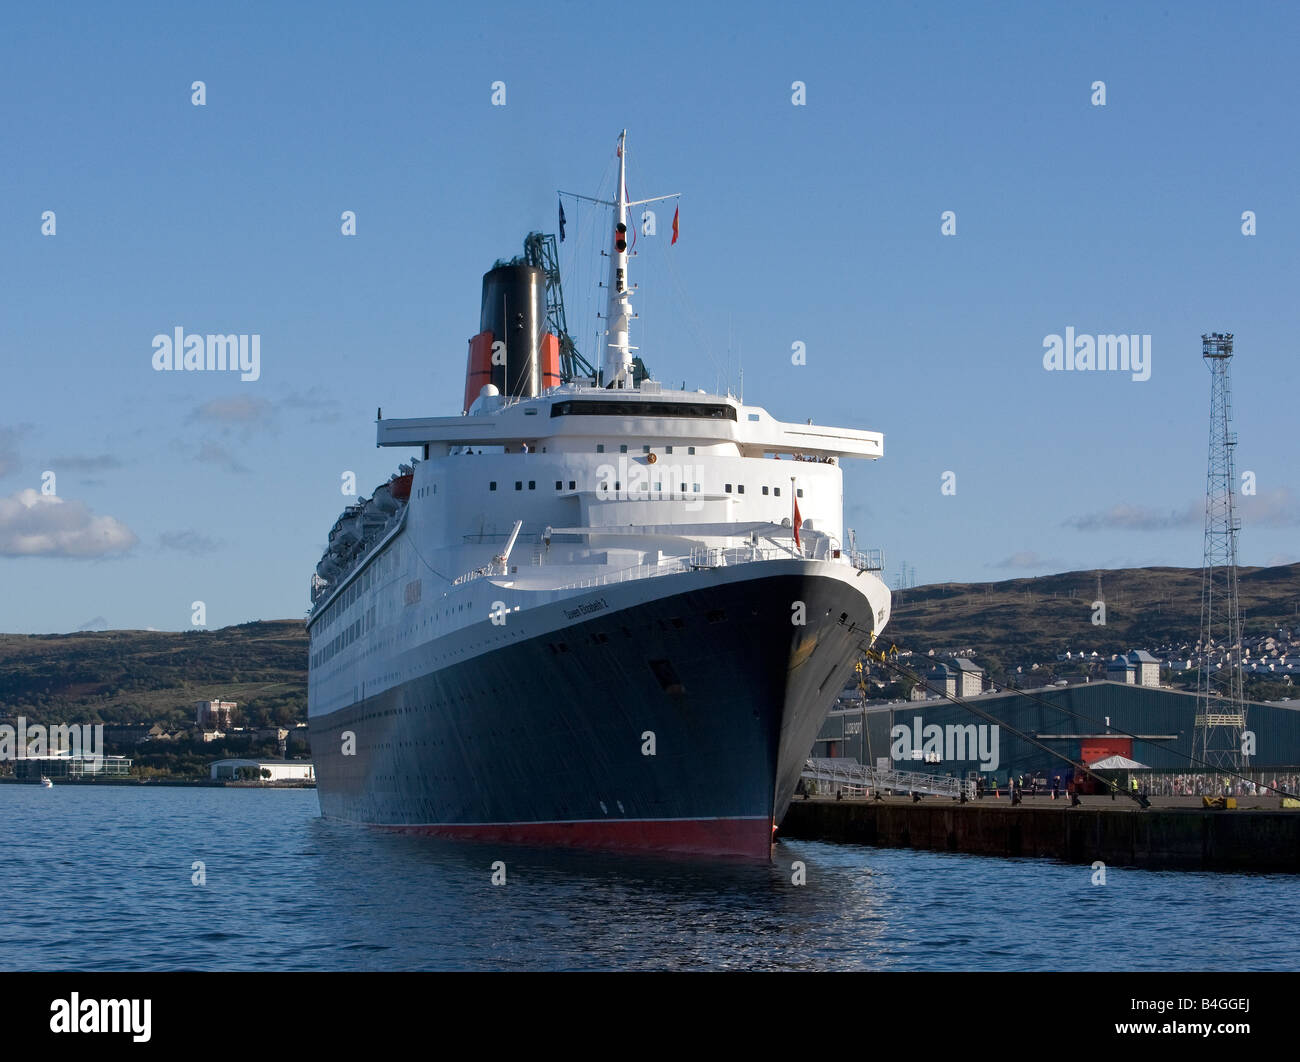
{"points": [[101, 879]]}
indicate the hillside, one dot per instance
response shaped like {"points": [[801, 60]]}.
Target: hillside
{"points": [[1022, 620], [146, 676], [155, 676]]}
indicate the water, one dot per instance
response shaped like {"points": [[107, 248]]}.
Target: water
{"points": [[100, 879]]}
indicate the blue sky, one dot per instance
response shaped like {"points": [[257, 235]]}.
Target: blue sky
{"points": [[817, 224]]}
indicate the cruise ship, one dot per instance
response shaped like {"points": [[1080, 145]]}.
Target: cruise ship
{"points": [[589, 610]]}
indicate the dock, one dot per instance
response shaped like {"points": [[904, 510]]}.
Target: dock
{"points": [[1173, 834]]}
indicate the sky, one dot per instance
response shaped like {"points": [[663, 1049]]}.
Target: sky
{"points": [[810, 213]]}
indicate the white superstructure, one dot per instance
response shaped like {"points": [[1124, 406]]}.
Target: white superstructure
{"points": [[537, 501]]}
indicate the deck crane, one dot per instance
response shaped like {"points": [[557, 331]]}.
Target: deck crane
{"points": [[540, 251]]}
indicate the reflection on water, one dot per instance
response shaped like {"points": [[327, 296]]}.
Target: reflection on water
{"points": [[101, 878]]}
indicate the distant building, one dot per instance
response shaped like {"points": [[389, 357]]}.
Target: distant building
{"points": [[68, 766], [959, 677], [1121, 669], [942, 680], [970, 677], [281, 770], [214, 715], [1147, 667]]}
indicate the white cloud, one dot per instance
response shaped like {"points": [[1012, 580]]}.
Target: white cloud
{"points": [[38, 525], [1140, 518], [1270, 508]]}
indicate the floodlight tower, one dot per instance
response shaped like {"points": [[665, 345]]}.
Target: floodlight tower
{"points": [[1220, 702]]}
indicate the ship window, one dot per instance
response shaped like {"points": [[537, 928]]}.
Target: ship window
{"points": [[623, 448], [519, 484], [659, 487], [532, 484], [690, 449], [716, 616], [645, 449], [668, 449], [572, 485], [492, 485], [697, 487], [776, 491], [740, 488], [728, 488], [617, 485], [764, 490], [599, 407], [753, 416], [559, 484], [600, 448], [799, 492]]}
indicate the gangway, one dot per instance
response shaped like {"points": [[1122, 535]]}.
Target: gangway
{"points": [[850, 774]]}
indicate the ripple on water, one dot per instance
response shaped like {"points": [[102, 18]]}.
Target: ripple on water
{"points": [[102, 879]]}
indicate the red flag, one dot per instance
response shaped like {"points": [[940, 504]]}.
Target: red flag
{"points": [[675, 213], [797, 521]]}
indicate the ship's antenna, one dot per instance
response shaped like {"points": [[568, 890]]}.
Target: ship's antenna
{"points": [[618, 350]]}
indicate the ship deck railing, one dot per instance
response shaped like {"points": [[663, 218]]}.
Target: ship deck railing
{"points": [[851, 775], [702, 557]]}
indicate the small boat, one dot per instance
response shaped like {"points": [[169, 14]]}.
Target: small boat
{"points": [[46, 783]]}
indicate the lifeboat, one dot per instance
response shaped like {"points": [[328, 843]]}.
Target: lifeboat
{"points": [[383, 499], [347, 528]]}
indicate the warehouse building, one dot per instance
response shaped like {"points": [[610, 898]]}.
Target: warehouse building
{"points": [[1086, 722], [271, 770]]}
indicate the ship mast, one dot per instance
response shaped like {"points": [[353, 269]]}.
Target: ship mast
{"points": [[618, 354], [617, 371]]}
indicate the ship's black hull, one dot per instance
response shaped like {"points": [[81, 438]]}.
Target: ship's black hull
{"points": [[680, 723]]}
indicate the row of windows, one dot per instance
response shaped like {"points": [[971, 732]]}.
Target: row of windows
{"points": [[776, 491], [375, 571], [559, 485], [532, 484], [600, 449], [345, 637]]}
